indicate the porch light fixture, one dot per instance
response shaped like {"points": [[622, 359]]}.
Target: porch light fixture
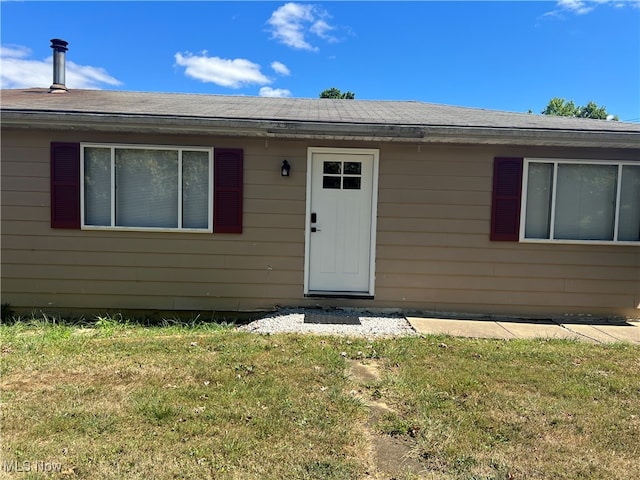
{"points": [[286, 168]]}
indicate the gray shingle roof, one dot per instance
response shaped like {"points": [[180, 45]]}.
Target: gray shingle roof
{"points": [[311, 117]]}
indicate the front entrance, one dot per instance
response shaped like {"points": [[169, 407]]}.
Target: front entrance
{"points": [[342, 186]]}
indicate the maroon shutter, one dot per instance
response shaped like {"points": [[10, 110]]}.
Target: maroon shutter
{"points": [[227, 179], [505, 204], [65, 185]]}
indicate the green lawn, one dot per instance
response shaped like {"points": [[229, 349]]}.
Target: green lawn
{"points": [[200, 401]]}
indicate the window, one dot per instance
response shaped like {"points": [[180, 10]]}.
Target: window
{"points": [[144, 187], [155, 185], [342, 175], [585, 201]]}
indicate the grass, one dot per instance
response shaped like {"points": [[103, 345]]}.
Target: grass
{"points": [[116, 400], [524, 409]]}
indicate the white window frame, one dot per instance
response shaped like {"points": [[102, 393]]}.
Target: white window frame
{"points": [[179, 149], [566, 161]]}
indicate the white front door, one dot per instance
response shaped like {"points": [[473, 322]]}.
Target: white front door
{"points": [[341, 215]]}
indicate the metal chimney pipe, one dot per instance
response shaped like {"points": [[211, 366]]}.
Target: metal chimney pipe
{"points": [[59, 49]]}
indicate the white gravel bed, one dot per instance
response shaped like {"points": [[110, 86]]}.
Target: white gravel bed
{"points": [[370, 326]]}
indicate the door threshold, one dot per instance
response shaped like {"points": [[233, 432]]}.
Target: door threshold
{"points": [[359, 295]]}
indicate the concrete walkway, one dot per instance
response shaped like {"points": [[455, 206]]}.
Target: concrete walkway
{"points": [[504, 329]]}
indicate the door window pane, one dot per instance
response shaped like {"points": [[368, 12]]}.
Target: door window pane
{"points": [[332, 168], [353, 168], [330, 182], [351, 183], [585, 202]]}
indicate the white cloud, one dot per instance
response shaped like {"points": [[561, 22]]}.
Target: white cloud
{"points": [[293, 21], [274, 92], [86, 76], [18, 71], [582, 7], [225, 72], [578, 7], [280, 68], [14, 51], [321, 29]]}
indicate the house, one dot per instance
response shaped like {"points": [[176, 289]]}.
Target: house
{"points": [[115, 200]]}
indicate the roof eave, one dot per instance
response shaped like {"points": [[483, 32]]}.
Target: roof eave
{"points": [[483, 135]]}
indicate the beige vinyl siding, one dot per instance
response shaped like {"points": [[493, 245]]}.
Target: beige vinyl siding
{"points": [[434, 251], [433, 248], [74, 269]]}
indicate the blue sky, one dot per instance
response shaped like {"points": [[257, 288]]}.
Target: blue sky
{"points": [[505, 55]]}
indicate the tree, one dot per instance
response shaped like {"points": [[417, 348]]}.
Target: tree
{"points": [[591, 110], [336, 93], [560, 107]]}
